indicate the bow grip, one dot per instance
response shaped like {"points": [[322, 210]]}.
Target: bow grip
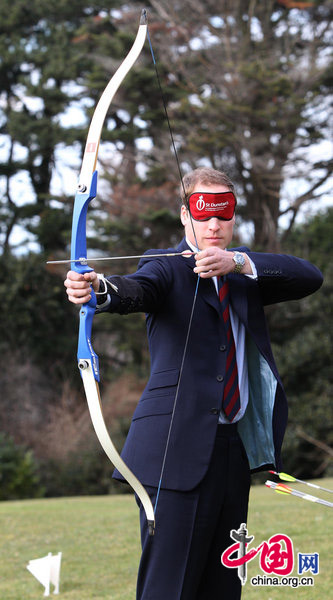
{"points": [[79, 226], [79, 251], [85, 350]]}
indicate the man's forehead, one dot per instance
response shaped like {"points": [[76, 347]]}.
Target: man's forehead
{"points": [[216, 188]]}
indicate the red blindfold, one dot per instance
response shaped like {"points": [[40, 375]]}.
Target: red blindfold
{"points": [[205, 205]]}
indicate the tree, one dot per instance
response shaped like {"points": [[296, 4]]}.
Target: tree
{"points": [[43, 65], [245, 87], [254, 78], [302, 336], [245, 84]]}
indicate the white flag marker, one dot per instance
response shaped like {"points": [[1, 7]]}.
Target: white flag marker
{"points": [[47, 571]]}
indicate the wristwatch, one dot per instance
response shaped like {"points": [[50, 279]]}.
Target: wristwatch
{"points": [[239, 261]]}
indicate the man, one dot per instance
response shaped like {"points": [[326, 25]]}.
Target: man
{"points": [[214, 411]]}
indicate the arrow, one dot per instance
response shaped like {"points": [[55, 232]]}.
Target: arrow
{"points": [[290, 478], [84, 261], [281, 488]]}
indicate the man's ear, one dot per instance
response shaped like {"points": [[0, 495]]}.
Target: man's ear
{"points": [[184, 216]]}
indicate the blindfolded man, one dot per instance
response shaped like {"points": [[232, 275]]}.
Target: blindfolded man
{"points": [[210, 415]]}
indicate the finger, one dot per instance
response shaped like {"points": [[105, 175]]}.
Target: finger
{"points": [[92, 279], [204, 273], [204, 254], [91, 276], [207, 265], [202, 258], [78, 285], [208, 256], [74, 276], [75, 300], [78, 296], [79, 292]]}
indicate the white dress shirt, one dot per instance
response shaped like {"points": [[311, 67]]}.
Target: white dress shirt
{"points": [[238, 331]]}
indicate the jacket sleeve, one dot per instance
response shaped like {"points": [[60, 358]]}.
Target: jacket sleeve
{"points": [[142, 291], [282, 277]]}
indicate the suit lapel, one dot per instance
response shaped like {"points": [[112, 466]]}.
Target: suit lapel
{"points": [[207, 289], [238, 295], [190, 260], [208, 292]]}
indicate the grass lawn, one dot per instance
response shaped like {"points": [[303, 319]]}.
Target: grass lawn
{"points": [[99, 541]]}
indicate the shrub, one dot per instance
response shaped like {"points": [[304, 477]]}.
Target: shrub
{"points": [[18, 473]]}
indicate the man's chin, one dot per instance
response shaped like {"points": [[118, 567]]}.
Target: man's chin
{"points": [[211, 242]]}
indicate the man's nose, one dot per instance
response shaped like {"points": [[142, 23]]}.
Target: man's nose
{"points": [[214, 223]]}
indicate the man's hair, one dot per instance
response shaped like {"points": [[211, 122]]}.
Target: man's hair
{"points": [[206, 176]]}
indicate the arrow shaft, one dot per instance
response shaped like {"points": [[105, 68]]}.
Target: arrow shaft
{"points": [[84, 261]]}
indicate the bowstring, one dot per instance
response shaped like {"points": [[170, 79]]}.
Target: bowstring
{"points": [[173, 143], [198, 278]]}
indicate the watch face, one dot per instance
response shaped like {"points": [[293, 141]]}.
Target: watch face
{"points": [[239, 259]]}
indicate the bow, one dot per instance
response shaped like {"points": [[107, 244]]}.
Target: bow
{"points": [[86, 191]]}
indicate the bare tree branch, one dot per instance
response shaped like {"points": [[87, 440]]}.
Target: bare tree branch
{"points": [[305, 436]]}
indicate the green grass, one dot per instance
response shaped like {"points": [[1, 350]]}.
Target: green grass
{"points": [[99, 540]]}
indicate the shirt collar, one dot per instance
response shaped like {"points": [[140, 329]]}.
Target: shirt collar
{"points": [[192, 246]]}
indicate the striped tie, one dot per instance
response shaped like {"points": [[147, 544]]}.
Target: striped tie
{"points": [[231, 399]]}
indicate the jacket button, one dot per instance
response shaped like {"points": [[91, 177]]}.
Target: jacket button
{"points": [[214, 411], [220, 378], [222, 348]]}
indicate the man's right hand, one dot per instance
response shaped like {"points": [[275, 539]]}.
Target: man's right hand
{"points": [[78, 287]]}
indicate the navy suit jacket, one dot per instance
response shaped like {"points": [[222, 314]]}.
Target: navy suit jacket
{"points": [[164, 289]]}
